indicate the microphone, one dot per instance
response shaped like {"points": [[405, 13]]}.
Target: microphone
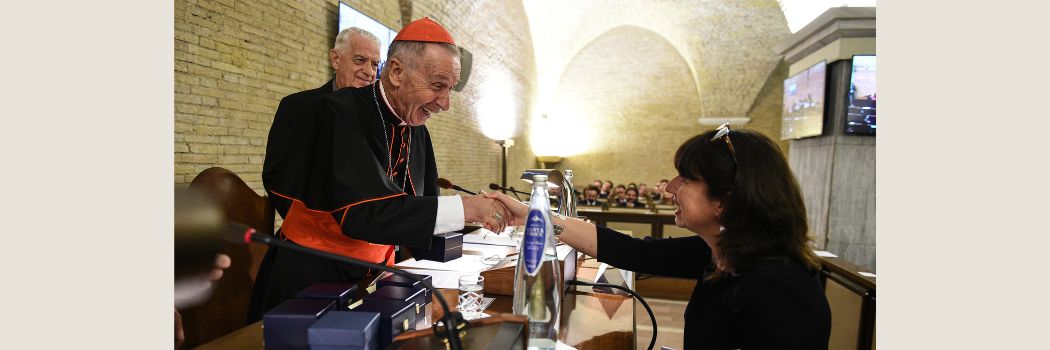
{"points": [[496, 187], [448, 185], [242, 234]]}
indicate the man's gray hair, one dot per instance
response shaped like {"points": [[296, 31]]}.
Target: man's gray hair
{"points": [[343, 39], [409, 52]]}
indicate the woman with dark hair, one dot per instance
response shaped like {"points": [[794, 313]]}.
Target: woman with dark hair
{"points": [[758, 285]]}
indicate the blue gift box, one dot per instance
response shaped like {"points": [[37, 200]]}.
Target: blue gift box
{"points": [[444, 247], [395, 317], [285, 326], [411, 295], [346, 330], [341, 293], [402, 281]]}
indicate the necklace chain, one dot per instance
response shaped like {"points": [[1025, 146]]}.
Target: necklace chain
{"points": [[386, 138]]}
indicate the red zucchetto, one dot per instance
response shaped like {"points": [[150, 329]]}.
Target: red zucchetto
{"points": [[425, 29]]}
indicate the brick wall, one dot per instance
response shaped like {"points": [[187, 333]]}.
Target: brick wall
{"points": [[234, 61], [497, 34]]}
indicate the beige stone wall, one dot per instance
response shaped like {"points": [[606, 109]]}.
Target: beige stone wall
{"points": [[235, 60], [627, 115], [766, 113]]}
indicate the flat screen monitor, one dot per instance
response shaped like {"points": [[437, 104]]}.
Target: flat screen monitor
{"points": [[349, 17], [860, 115], [804, 103]]}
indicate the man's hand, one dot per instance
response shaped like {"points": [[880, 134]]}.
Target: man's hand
{"points": [[517, 209], [491, 213]]}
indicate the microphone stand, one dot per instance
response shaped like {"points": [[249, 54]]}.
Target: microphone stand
{"points": [[515, 192], [453, 320]]}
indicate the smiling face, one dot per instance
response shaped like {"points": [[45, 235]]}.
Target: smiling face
{"points": [[696, 211], [421, 89], [632, 195], [355, 63]]}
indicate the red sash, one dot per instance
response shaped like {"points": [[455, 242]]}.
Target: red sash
{"points": [[318, 230]]}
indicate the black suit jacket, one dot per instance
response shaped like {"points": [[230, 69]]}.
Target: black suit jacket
{"points": [[296, 105]]}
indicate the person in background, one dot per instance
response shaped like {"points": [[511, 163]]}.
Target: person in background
{"points": [[631, 199], [590, 196], [658, 192], [598, 184], [758, 280], [606, 189], [643, 191], [618, 195], [354, 58], [632, 185]]}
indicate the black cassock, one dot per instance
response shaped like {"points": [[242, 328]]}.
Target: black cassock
{"points": [[335, 174]]}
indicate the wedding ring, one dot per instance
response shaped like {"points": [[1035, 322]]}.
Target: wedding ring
{"points": [[498, 216]]}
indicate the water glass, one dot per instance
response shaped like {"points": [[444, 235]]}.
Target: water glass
{"points": [[470, 295]]}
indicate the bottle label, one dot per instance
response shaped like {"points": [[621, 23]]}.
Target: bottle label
{"points": [[532, 243]]}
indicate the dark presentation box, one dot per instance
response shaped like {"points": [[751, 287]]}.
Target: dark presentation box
{"points": [[443, 247], [410, 295], [345, 330], [341, 293], [395, 317], [402, 281], [285, 326]]}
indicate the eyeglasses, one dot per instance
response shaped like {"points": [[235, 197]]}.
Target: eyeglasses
{"points": [[723, 133]]}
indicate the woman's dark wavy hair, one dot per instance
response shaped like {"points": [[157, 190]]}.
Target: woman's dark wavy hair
{"points": [[763, 212]]}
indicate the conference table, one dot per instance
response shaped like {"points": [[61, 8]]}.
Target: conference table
{"points": [[589, 319]]}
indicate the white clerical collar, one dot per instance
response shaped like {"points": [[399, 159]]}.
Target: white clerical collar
{"points": [[383, 93]]}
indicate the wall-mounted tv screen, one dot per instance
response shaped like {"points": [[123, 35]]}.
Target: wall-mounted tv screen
{"points": [[804, 103], [349, 17], [860, 115]]}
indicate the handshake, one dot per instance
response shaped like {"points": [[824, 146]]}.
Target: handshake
{"points": [[494, 211]]}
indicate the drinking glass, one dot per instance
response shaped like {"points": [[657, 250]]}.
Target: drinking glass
{"points": [[470, 295]]}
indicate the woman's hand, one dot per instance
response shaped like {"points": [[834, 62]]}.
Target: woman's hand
{"points": [[517, 209]]}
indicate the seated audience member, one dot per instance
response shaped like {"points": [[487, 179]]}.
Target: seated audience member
{"points": [[758, 283], [618, 195], [606, 189], [631, 200], [643, 191], [590, 196], [598, 184], [658, 192], [632, 185]]}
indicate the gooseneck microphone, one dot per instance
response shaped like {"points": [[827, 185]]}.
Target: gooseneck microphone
{"points": [[496, 187], [242, 234], [448, 185]]}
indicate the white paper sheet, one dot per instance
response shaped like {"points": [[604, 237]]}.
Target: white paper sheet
{"points": [[825, 254], [563, 251], [486, 250], [867, 274], [467, 263], [442, 279], [563, 346], [480, 237], [601, 272]]}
